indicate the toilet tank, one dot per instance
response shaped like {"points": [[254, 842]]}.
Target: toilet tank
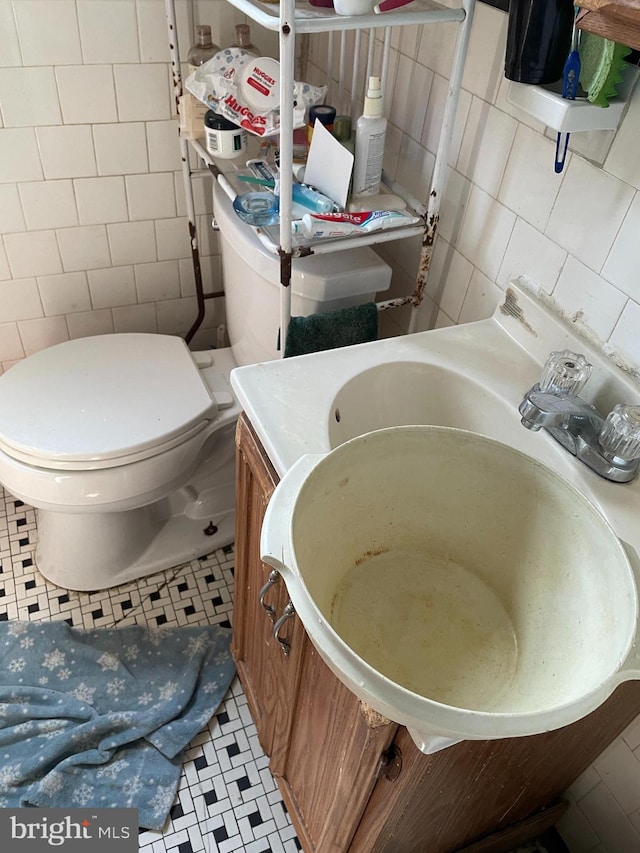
{"points": [[251, 278]]}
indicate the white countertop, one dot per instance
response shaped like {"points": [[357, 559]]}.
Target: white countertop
{"points": [[291, 403]]}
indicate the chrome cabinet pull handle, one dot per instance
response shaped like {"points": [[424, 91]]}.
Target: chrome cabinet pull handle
{"points": [[274, 577], [287, 613]]}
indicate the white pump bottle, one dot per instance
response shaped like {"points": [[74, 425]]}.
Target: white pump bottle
{"points": [[370, 133]]}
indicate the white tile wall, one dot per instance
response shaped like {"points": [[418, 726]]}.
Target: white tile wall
{"points": [[151, 196], [91, 235], [84, 248], [486, 145], [8, 37], [48, 204], [111, 287], [532, 255], [64, 294], [164, 150], [622, 265], [589, 202], [486, 231], [20, 299], [86, 323], [29, 97], [87, 93], [625, 337], [33, 253], [91, 202], [66, 152], [529, 187], [121, 149], [19, 160], [143, 92], [132, 242], [583, 293], [11, 216], [48, 32], [157, 281], [100, 200], [108, 31], [5, 272], [41, 333]]}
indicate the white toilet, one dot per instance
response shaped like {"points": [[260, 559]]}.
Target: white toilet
{"points": [[125, 442]]}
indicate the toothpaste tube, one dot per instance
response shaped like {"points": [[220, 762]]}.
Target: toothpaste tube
{"points": [[342, 224]]}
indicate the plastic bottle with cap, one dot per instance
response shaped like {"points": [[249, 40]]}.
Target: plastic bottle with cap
{"points": [[371, 129], [203, 49], [192, 111], [243, 40]]}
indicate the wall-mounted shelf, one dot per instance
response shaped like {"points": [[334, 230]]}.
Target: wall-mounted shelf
{"points": [[310, 19], [562, 115]]}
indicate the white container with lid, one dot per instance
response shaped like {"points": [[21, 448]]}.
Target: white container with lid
{"points": [[260, 83], [224, 139]]}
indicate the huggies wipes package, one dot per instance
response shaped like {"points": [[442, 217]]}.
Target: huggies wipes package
{"points": [[245, 90]]}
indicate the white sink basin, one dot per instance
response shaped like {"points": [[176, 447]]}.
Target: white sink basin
{"points": [[412, 392], [471, 377], [490, 364]]}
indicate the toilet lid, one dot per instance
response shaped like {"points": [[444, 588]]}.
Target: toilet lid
{"points": [[101, 398]]}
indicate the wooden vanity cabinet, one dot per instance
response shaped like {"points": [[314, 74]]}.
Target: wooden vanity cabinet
{"points": [[268, 676], [354, 781], [326, 764]]}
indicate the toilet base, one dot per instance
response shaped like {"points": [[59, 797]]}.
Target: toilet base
{"points": [[94, 551]]}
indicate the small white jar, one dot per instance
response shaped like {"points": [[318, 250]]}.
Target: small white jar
{"points": [[224, 140], [354, 7]]}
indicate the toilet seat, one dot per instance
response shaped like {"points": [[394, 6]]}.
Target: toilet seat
{"points": [[142, 395]]}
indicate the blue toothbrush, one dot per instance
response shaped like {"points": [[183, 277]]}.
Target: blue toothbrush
{"points": [[570, 78]]}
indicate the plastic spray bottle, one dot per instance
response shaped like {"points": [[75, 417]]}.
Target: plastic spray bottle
{"points": [[371, 128]]}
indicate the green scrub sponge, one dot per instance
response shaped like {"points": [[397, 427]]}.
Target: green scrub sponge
{"points": [[602, 63]]}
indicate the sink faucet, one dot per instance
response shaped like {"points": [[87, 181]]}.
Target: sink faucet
{"points": [[609, 446]]}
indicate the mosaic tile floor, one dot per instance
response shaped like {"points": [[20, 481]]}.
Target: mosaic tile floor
{"points": [[227, 799]]}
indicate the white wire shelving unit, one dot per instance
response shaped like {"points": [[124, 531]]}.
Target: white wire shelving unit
{"points": [[291, 18]]}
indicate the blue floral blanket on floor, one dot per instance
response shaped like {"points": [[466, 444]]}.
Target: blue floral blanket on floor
{"points": [[100, 718]]}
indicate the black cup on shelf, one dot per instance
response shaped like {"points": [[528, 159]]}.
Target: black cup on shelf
{"points": [[538, 40]]}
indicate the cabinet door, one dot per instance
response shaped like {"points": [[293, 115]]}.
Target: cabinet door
{"points": [[475, 789], [336, 752], [268, 676]]}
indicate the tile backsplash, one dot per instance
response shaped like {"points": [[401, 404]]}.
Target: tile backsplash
{"points": [[92, 212], [94, 238]]}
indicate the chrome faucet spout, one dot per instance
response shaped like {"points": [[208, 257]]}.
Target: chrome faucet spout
{"points": [[609, 446], [544, 409]]}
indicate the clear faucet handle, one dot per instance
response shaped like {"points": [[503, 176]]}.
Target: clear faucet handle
{"points": [[565, 373], [620, 433]]}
